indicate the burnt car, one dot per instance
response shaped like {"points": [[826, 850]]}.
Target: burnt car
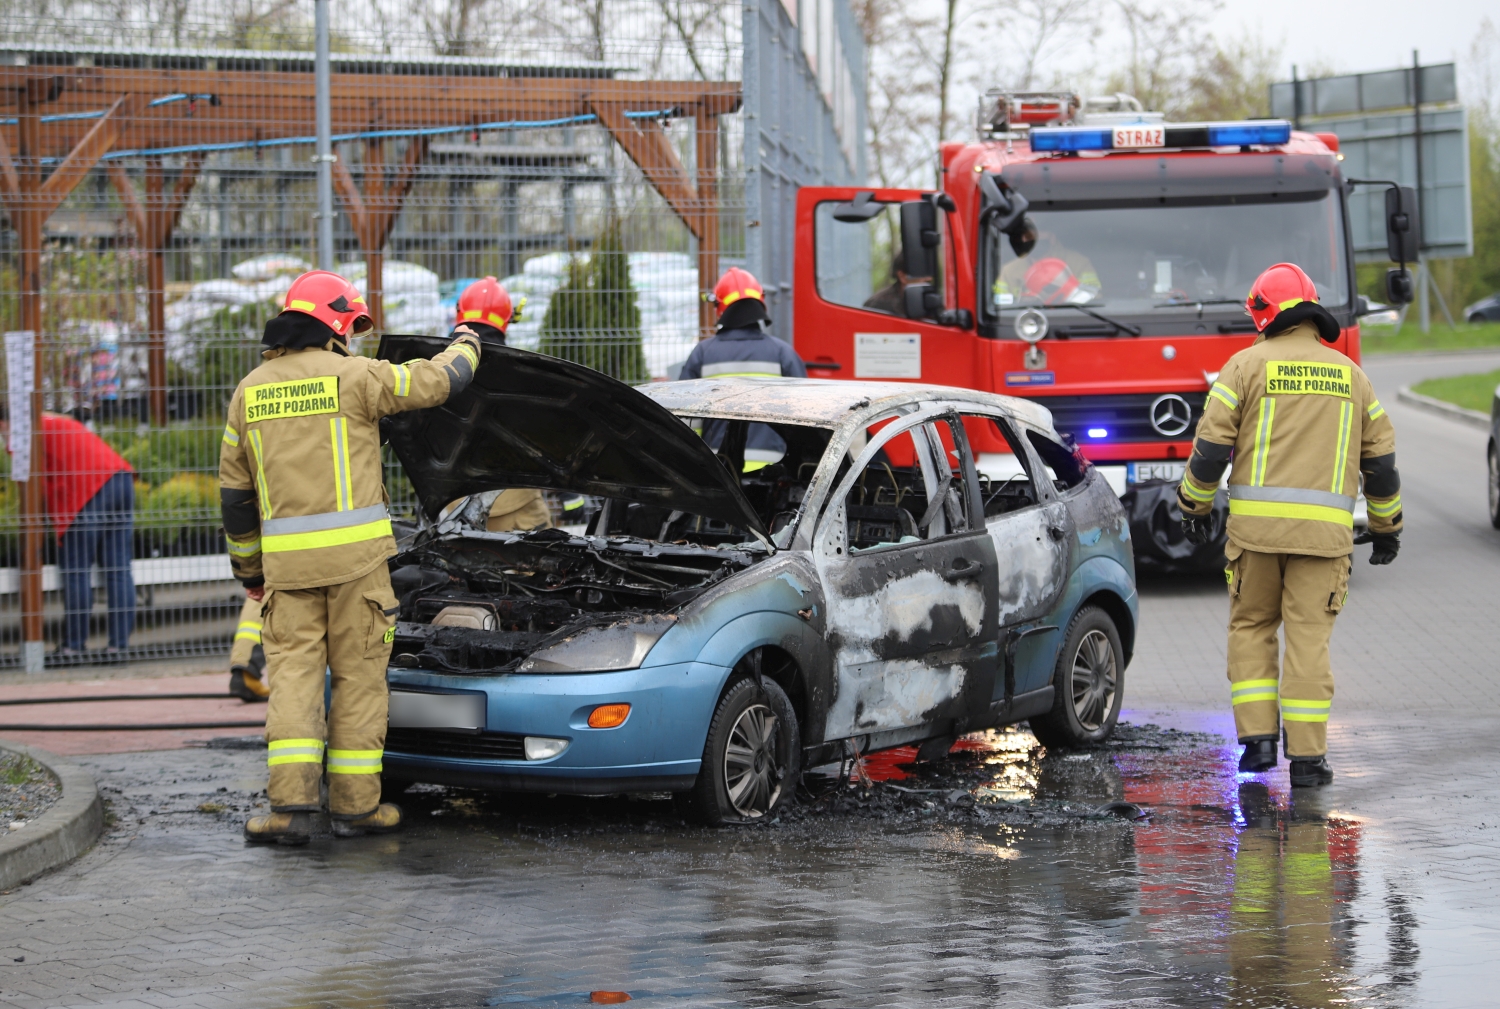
{"points": [[716, 627]]}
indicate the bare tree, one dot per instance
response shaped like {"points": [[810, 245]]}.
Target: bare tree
{"points": [[1165, 40]]}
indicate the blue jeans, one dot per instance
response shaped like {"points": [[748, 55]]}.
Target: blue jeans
{"points": [[103, 531]]}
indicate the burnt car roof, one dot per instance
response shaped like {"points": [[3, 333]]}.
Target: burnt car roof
{"points": [[822, 402], [528, 420]]}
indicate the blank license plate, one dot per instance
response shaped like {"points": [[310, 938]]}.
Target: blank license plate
{"points": [[410, 710], [1140, 472]]}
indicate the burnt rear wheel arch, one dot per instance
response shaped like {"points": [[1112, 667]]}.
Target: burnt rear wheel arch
{"points": [[1120, 614]]}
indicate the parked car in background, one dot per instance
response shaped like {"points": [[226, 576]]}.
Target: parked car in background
{"points": [[715, 630], [1493, 453], [1484, 310]]}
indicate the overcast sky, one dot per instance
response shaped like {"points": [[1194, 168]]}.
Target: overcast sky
{"points": [[1358, 35]]}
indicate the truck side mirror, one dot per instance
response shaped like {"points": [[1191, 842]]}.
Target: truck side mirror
{"points": [[1403, 225], [1399, 289], [1023, 236], [922, 302], [859, 210], [919, 239]]}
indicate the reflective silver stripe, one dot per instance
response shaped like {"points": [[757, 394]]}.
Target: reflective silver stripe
{"points": [[1291, 495], [322, 522], [742, 368]]}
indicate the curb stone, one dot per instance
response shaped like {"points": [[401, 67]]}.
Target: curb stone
{"points": [[66, 830], [1473, 418]]}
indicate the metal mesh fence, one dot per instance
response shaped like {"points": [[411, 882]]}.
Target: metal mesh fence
{"points": [[158, 183]]}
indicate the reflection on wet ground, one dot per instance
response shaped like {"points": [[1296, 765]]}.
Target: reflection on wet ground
{"points": [[1002, 874]]}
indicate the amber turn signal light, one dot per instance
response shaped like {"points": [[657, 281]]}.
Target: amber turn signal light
{"points": [[610, 997], [607, 716]]}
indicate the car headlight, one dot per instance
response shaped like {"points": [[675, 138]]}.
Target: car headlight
{"points": [[600, 649]]}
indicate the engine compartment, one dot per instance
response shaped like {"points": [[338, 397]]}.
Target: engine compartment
{"points": [[479, 603]]}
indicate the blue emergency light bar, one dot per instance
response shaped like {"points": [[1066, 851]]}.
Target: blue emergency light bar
{"points": [[1149, 136]]}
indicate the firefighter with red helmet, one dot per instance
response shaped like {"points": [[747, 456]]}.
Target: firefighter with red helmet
{"points": [[304, 509], [1303, 426], [485, 307], [743, 347]]}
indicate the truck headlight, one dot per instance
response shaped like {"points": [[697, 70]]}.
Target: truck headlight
{"points": [[600, 649]]}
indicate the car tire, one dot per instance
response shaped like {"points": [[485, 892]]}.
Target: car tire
{"points": [[1494, 486], [747, 773], [1088, 684]]}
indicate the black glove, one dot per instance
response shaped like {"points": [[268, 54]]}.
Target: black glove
{"points": [[1387, 545], [1197, 529]]}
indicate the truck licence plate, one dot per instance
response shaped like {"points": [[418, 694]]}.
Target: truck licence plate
{"points": [[412, 710], [1140, 472]]}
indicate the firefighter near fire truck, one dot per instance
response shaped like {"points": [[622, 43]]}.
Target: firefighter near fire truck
{"points": [[305, 518], [1301, 424]]}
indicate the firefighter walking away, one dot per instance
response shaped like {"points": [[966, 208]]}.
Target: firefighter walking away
{"points": [[305, 516], [1302, 425]]}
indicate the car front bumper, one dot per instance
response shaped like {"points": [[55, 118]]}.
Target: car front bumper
{"points": [[658, 748]]}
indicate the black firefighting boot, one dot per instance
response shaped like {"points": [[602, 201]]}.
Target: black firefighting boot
{"points": [[1259, 755], [386, 819], [1307, 771], [280, 828], [246, 685]]}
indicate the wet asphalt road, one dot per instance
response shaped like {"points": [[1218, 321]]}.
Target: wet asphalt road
{"points": [[1378, 890]]}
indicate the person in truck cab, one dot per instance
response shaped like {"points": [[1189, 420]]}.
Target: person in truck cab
{"points": [[1051, 274], [891, 299], [1302, 425]]}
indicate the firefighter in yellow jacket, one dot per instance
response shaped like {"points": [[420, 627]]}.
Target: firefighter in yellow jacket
{"points": [[305, 515], [1302, 425]]}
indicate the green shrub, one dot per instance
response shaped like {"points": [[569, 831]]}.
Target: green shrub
{"points": [[593, 319], [187, 499]]}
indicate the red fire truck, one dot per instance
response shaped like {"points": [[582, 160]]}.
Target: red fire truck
{"points": [[1088, 255]]}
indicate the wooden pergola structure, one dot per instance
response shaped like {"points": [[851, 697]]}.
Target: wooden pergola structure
{"points": [[66, 120]]}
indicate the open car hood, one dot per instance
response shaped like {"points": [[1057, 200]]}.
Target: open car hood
{"points": [[528, 420]]}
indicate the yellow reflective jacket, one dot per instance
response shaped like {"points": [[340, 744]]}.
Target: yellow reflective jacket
{"points": [[1302, 424], [300, 472]]}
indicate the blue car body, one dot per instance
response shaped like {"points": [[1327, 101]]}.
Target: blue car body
{"points": [[780, 596]]}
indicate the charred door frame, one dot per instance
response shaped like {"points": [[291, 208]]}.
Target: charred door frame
{"points": [[978, 655]]}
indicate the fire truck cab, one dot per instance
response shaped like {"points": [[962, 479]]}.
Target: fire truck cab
{"points": [[1089, 255]]}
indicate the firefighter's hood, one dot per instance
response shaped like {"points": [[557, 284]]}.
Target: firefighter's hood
{"points": [[528, 420]]}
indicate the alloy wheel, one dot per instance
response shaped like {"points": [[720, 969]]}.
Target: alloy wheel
{"points": [[1095, 674], [751, 774]]}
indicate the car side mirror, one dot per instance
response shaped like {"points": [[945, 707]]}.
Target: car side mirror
{"points": [[919, 239], [1399, 288], [1403, 225]]}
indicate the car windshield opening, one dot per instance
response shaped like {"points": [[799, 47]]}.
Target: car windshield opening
{"points": [[1129, 261]]}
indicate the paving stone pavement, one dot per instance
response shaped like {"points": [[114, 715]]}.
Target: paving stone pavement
{"points": [[1378, 890]]}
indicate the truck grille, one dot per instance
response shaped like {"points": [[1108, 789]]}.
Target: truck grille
{"points": [[458, 745], [1127, 418]]}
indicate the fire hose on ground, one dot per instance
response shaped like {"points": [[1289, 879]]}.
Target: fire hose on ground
{"points": [[111, 698]]}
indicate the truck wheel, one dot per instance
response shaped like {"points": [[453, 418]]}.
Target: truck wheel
{"points": [[752, 758], [1494, 486], [1088, 684]]}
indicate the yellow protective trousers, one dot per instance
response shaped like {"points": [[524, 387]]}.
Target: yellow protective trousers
{"points": [[247, 634], [1304, 595], [348, 629]]}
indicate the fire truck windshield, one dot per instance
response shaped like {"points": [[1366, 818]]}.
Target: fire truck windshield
{"points": [[1133, 259]]}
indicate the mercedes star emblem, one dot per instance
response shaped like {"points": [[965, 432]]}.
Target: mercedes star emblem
{"points": [[1170, 414]]}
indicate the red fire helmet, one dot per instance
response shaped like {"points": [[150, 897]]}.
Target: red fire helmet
{"points": [[1051, 281], [734, 285], [1279, 288], [485, 301], [331, 300]]}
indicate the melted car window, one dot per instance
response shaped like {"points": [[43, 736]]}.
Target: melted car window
{"points": [[775, 489], [1067, 466], [913, 489]]}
